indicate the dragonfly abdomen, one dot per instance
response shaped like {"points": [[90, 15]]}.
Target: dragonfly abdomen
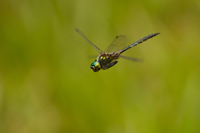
{"points": [[139, 41], [144, 39]]}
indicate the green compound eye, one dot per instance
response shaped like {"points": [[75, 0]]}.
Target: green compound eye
{"points": [[95, 66]]}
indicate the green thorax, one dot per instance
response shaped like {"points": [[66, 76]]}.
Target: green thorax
{"points": [[105, 59]]}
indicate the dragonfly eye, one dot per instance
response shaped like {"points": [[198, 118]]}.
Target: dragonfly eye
{"points": [[95, 66]]}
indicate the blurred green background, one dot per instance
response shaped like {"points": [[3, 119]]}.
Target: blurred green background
{"points": [[46, 85]]}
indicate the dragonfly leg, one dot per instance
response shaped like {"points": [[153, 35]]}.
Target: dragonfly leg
{"points": [[110, 65]]}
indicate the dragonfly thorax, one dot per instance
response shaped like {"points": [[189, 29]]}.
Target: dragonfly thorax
{"points": [[101, 62], [105, 59]]}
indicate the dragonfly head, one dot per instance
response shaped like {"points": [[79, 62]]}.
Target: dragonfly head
{"points": [[95, 66]]}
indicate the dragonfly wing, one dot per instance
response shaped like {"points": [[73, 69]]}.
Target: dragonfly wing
{"points": [[118, 43], [131, 59], [94, 46]]}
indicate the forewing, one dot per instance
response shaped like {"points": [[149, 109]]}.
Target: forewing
{"points": [[94, 46], [118, 43]]}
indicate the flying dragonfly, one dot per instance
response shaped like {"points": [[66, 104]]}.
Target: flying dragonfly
{"points": [[109, 56]]}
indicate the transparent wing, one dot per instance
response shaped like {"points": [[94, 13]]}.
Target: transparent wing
{"points": [[131, 59], [118, 43], [94, 46]]}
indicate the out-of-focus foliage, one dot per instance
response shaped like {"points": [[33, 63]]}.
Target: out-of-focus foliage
{"points": [[46, 85]]}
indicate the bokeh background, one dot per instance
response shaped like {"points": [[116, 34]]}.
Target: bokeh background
{"points": [[46, 85]]}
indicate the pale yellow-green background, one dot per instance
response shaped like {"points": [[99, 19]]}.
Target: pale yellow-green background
{"points": [[46, 85]]}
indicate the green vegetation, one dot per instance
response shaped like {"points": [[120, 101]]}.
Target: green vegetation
{"points": [[46, 85]]}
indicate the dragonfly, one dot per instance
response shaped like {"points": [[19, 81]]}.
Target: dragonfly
{"points": [[109, 56]]}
